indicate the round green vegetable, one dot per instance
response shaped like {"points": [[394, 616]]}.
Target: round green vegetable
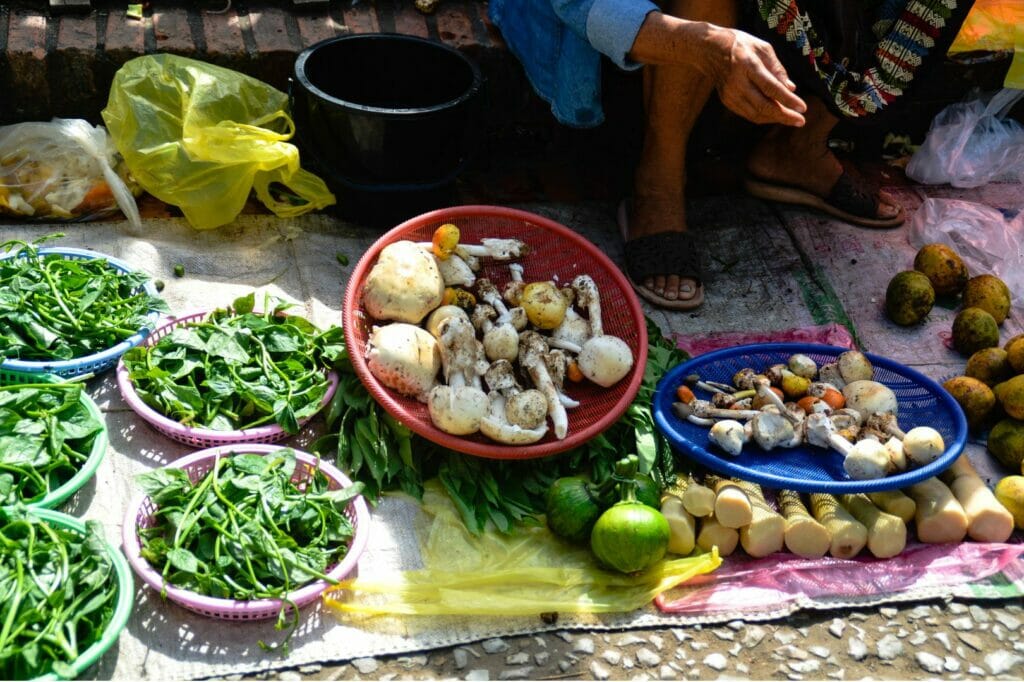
{"points": [[630, 536], [573, 507]]}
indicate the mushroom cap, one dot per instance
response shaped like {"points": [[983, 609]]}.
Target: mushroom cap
{"points": [[605, 360], [802, 365], [457, 411], [404, 357], [867, 460], [527, 409], [501, 342], [819, 429], [439, 315], [403, 285], [501, 376], [870, 397], [770, 430], [855, 366], [729, 435], [923, 445]]}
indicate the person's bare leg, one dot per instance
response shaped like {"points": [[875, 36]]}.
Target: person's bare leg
{"points": [[673, 98], [801, 157]]}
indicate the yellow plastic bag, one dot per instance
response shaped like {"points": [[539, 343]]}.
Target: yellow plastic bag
{"points": [[200, 137], [528, 573], [995, 26]]}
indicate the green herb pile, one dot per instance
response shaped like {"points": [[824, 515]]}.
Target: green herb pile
{"points": [[238, 369], [245, 530], [385, 455], [52, 308], [57, 595], [46, 435]]}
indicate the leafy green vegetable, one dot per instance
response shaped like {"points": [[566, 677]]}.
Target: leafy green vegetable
{"points": [[385, 455], [57, 595], [53, 308], [46, 435], [245, 530], [238, 369]]}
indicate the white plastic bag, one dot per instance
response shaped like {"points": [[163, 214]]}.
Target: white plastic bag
{"points": [[987, 239], [972, 143], [61, 170]]}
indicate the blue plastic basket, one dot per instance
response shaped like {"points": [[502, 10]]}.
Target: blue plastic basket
{"points": [[97, 362], [922, 402]]}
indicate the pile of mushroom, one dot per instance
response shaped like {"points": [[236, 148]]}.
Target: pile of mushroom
{"points": [[486, 359], [838, 406]]}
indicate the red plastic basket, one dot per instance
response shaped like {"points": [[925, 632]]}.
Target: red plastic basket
{"points": [[556, 252]]}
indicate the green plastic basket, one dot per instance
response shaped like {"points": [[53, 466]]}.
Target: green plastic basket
{"points": [[58, 496], [122, 607]]}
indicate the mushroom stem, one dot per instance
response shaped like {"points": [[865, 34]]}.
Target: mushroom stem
{"points": [[588, 297], [763, 388], [693, 380], [867, 459], [704, 410], [531, 357], [498, 249]]}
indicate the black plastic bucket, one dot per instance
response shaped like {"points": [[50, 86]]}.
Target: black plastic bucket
{"points": [[390, 120]]}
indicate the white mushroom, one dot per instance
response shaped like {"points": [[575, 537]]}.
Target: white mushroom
{"points": [[455, 272], [683, 411], [496, 427], [870, 397], [405, 358], [867, 459], [527, 409], [802, 365], [705, 410], [459, 407], [558, 366], [771, 430], [923, 445], [532, 348], [403, 285], [434, 320], [829, 374], [764, 391], [489, 247], [501, 341], [574, 329], [729, 435], [855, 366]]}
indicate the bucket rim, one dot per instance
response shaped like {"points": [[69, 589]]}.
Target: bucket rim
{"points": [[303, 80]]}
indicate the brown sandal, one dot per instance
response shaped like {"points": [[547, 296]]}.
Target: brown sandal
{"points": [[664, 254]]}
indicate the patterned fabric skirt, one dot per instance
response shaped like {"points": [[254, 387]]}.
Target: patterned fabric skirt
{"points": [[860, 56]]}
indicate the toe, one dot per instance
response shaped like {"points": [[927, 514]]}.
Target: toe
{"points": [[672, 291], [659, 285], [888, 207], [687, 289]]}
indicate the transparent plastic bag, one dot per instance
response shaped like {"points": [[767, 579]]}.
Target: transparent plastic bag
{"points": [[526, 573], [972, 143], [989, 240], [62, 169], [201, 137]]}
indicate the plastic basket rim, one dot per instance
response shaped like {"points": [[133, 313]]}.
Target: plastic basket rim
{"points": [[665, 421], [194, 600], [104, 356], [190, 433], [92, 463], [122, 607], [351, 309]]}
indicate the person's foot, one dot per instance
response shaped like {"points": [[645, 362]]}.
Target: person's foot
{"points": [[799, 158], [650, 214]]}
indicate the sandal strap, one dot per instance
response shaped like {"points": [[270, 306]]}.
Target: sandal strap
{"points": [[854, 194], [663, 253]]}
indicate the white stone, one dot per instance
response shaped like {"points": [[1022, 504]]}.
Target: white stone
{"points": [[716, 662], [804, 631], [943, 639], [804, 667], [311, 668], [889, 648], [962, 624], [289, 676], [658, 642], [724, 634], [680, 634], [627, 663], [971, 641], [957, 609], [365, 665], [951, 664], [784, 637], [543, 643], [523, 673], [929, 662], [1007, 621], [820, 651], [836, 627], [999, 631], [978, 614], [902, 632], [478, 675], [461, 658], [598, 671], [918, 638], [753, 636], [611, 656], [922, 611], [837, 674], [975, 670], [857, 649], [583, 645], [1002, 661], [888, 611], [742, 668], [666, 673], [697, 646], [736, 625], [410, 662], [518, 658], [630, 640], [647, 658], [793, 652], [565, 665], [494, 646], [735, 649], [541, 657], [564, 636]]}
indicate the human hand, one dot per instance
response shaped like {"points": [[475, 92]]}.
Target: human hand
{"points": [[750, 80]]}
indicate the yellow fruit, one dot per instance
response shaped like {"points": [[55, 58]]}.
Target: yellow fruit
{"points": [[909, 297], [974, 329], [1010, 493], [989, 293], [544, 304], [989, 365], [1015, 353], [1010, 395], [975, 398], [1006, 443], [943, 266]]}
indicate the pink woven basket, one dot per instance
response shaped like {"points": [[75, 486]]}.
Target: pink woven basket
{"points": [[140, 515], [198, 436]]}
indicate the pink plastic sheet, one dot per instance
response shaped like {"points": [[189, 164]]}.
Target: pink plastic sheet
{"points": [[830, 334], [748, 586]]}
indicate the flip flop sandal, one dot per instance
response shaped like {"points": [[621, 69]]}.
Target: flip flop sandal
{"points": [[664, 253], [852, 199]]}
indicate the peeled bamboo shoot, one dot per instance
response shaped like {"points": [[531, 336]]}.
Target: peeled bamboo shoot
{"points": [[714, 534], [894, 502], [804, 535], [987, 519], [939, 518], [682, 529], [732, 506], [848, 534], [698, 500], [765, 534], [887, 533]]}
